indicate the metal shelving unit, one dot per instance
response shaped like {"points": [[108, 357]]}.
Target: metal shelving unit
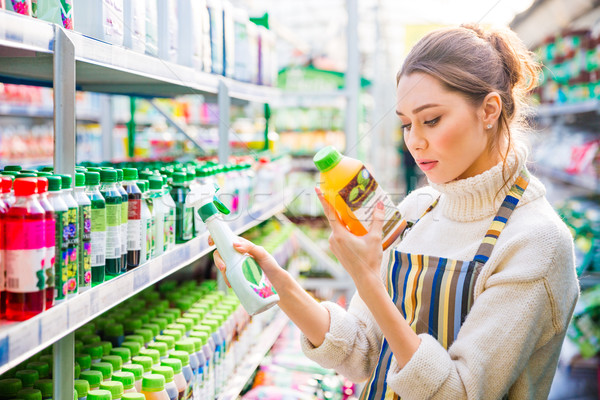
{"points": [[555, 110], [38, 53], [574, 180]]}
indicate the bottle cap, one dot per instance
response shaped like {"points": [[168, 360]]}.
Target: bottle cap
{"points": [[145, 174], [168, 316], [15, 168], [194, 316], [196, 342], [187, 322], [169, 341], [143, 185], [135, 338], [92, 178], [106, 347], [45, 386], [66, 181], [54, 183], [90, 339], [79, 179], [76, 370], [94, 169], [126, 378], [129, 174], [124, 353], [203, 336], [185, 345], [147, 334], [108, 175], [153, 383], [27, 376], [99, 395], [84, 361], [10, 387], [176, 333], [174, 363], [82, 386], [119, 174], [6, 183], [181, 356], [114, 330], [144, 361], [29, 394], [175, 311], [167, 372], [136, 369], [161, 322], [155, 182], [161, 347], [133, 396], [44, 174], [114, 387], [25, 186], [105, 368], [327, 158], [179, 178], [93, 377], [153, 354], [115, 361], [42, 185], [154, 328], [27, 175], [41, 367], [184, 303]]}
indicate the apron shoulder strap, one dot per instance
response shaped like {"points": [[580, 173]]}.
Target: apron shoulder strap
{"points": [[508, 206]]}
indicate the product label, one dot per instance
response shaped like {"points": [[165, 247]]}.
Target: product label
{"points": [[124, 220], [61, 264], [134, 230], [85, 245], [25, 271], [50, 257], [259, 282], [150, 239], [113, 231], [361, 195], [188, 222], [73, 265], [170, 229], [98, 236], [24, 234]]}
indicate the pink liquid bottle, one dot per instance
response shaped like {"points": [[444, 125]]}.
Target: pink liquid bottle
{"points": [[25, 249], [50, 226], [5, 185]]}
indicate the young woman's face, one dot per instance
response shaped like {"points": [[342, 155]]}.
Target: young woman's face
{"points": [[443, 132]]}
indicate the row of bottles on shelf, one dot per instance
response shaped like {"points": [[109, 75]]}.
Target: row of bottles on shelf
{"points": [[208, 35], [168, 342], [571, 70], [57, 242]]}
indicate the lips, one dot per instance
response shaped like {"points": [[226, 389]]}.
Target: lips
{"points": [[427, 165]]}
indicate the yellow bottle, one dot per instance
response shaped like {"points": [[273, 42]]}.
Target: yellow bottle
{"points": [[353, 191]]}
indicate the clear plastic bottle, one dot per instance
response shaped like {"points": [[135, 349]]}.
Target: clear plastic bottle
{"points": [[50, 237], [114, 201], [127, 379], [4, 189], [178, 378], [73, 241], [208, 348], [187, 346], [148, 228], [98, 227], [161, 212], [170, 386], [85, 233], [7, 194], [124, 218], [186, 370], [25, 252], [153, 387], [170, 221], [184, 215], [138, 371]]}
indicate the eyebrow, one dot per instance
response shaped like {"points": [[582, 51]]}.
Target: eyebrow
{"points": [[420, 108]]}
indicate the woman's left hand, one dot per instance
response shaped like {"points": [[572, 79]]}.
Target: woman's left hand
{"points": [[360, 255]]}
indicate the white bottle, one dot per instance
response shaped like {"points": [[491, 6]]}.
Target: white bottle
{"points": [[161, 212], [246, 278], [170, 220], [134, 17], [167, 30], [102, 20], [147, 225]]}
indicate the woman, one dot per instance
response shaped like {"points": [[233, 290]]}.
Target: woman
{"points": [[475, 299]]}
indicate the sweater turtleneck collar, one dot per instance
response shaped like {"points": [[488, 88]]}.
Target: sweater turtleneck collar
{"points": [[481, 196]]}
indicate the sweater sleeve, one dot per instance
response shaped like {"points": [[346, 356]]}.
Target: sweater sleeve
{"points": [[509, 322]]}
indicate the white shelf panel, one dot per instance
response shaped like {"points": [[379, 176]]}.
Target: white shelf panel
{"points": [[21, 340], [26, 47], [253, 359], [34, 111], [551, 110]]}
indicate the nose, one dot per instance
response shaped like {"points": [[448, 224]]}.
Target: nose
{"points": [[415, 140]]}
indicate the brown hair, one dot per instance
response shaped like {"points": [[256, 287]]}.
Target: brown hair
{"points": [[475, 62]]}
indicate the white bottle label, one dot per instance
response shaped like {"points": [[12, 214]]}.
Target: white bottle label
{"points": [[24, 270]]}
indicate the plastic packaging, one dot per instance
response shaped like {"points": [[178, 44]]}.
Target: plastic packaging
{"points": [[167, 29], [85, 233], [50, 237], [228, 39], [184, 216], [24, 252], [22, 7], [215, 12], [190, 40], [114, 201], [56, 11], [134, 217], [124, 219], [170, 387], [73, 238], [138, 371], [177, 376], [148, 218], [102, 20], [241, 70], [352, 190], [98, 227], [153, 387], [151, 28], [161, 213], [134, 32], [127, 379]]}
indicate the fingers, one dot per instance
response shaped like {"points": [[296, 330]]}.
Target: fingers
{"points": [[378, 220], [245, 246], [330, 212], [221, 266], [210, 241]]}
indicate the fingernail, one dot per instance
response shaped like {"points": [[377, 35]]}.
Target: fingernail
{"points": [[380, 205], [318, 191], [237, 244]]}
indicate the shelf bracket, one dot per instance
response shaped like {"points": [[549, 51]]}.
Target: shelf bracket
{"points": [[176, 125], [64, 104]]}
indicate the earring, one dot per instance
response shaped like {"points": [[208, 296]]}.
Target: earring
{"points": [[489, 126]]}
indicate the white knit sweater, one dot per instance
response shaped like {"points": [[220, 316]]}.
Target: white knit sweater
{"points": [[524, 297]]}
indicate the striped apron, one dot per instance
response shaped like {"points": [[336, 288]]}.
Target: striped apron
{"points": [[435, 294]]}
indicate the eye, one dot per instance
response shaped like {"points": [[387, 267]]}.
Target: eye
{"points": [[406, 127], [432, 122]]}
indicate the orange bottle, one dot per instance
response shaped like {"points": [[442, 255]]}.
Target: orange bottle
{"points": [[353, 191]]}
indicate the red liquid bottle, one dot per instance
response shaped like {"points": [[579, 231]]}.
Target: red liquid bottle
{"points": [[50, 240], [24, 253], [5, 186]]}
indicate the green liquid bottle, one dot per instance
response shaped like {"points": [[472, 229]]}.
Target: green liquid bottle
{"points": [[85, 233], [61, 239], [73, 213], [98, 227], [114, 201], [124, 218], [183, 222]]}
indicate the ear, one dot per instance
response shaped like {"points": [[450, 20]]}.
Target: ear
{"points": [[490, 109]]}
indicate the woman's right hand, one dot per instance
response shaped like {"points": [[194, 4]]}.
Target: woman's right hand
{"points": [[265, 260]]}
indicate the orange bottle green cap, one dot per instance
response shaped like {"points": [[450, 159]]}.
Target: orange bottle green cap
{"points": [[114, 387], [173, 363], [153, 383], [99, 395], [327, 158]]}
